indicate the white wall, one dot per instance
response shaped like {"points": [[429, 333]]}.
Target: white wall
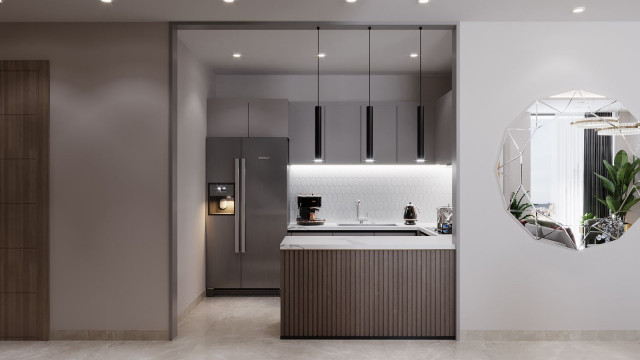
{"points": [[109, 170], [384, 190], [507, 280], [194, 81]]}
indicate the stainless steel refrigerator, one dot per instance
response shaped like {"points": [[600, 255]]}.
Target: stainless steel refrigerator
{"points": [[246, 214]]}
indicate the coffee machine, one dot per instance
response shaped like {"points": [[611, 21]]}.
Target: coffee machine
{"points": [[308, 207]]}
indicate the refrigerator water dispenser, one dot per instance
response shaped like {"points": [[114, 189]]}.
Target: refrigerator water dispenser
{"points": [[221, 199]]}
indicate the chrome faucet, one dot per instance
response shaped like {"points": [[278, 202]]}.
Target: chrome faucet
{"points": [[360, 219]]}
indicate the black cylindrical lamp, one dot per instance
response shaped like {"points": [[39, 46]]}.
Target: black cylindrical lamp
{"points": [[317, 154], [369, 157], [369, 149], [318, 138], [420, 123], [420, 127]]}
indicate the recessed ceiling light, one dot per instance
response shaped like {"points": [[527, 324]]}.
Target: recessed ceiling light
{"points": [[321, 55], [106, 1], [413, 55], [351, 1], [423, 1], [229, 1], [237, 55], [579, 10]]}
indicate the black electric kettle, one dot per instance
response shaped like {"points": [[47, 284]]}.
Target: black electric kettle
{"points": [[410, 214]]}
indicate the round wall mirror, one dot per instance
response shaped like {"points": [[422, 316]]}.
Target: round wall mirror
{"points": [[568, 170]]}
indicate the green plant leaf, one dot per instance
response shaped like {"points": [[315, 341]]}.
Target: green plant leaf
{"points": [[622, 172], [607, 184], [613, 204], [602, 201], [621, 158], [610, 169], [629, 204]]}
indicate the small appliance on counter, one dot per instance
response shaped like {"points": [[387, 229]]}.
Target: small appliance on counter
{"points": [[445, 219], [410, 214], [308, 207]]}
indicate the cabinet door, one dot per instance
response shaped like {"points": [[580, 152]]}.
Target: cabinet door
{"points": [[268, 118], [342, 136], [227, 118], [407, 133], [302, 132], [445, 130], [384, 134]]}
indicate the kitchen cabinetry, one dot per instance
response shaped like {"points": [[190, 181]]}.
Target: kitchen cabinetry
{"points": [[342, 136], [384, 134], [227, 118], [445, 134], [268, 118], [408, 137], [394, 132], [247, 118], [302, 132]]}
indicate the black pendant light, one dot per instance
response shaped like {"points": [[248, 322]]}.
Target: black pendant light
{"points": [[420, 154], [369, 155], [318, 125]]}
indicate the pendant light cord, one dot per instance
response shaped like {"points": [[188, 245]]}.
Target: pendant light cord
{"points": [[420, 75], [318, 56], [369, 65]]}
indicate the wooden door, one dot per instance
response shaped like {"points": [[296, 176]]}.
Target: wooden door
{"points": [[24, 200]]}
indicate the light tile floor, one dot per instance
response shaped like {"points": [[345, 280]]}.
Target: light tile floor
{"points": [[248, 328]]}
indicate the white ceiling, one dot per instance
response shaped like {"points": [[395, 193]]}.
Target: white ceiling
{"points": [[392, 11], [294, 51]]}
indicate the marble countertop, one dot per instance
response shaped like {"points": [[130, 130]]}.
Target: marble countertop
{"points": [[367, 243]]}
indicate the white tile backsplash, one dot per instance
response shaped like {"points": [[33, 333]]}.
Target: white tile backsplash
{"points": [[384, 190]]}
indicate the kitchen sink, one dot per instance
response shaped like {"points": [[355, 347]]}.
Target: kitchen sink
{"points": [[367, 224]]}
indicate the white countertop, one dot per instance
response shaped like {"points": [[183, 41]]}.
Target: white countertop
{"points": [[424, 227], [442, 242]]}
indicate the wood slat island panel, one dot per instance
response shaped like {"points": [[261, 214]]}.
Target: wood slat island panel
{"points": [[368, 294]]}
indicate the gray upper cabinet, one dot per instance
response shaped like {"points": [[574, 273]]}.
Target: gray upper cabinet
{"points": [[302, 132], [407, 136], [247, 118], [227, 118], [342, 135], [445, 134], [268, 118], [384, 134]]}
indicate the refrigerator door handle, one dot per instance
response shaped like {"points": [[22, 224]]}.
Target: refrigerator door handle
{"points": [[243, 213], [237, 200]]}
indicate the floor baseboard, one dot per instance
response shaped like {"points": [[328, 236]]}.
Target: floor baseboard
{"points": [[191, 306], [109, 335], [550, 335]]}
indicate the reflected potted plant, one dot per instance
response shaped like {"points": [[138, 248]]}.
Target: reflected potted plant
{"points": [[518, 209], [621, 185], [584, 222]]}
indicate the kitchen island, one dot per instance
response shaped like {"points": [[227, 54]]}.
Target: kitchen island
{"points": [[368, 287]]}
